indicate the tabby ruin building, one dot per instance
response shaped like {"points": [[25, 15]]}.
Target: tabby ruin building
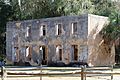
{"points": [[63, 39]]}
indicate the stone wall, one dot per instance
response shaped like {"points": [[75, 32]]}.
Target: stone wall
{"points": [[100, 53], [16, 32]]}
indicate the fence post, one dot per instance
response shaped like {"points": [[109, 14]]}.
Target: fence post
{"points": [[85, 71], [40, 72], [82, 73], [112, 71], [3, 73]]}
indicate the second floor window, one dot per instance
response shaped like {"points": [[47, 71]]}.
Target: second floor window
{"points": [[43, 30], [28, 31], [58, 29], [74, 27]]}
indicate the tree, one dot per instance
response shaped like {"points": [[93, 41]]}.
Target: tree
{"points": [[75, 7], [35, 9], [5, 13]]}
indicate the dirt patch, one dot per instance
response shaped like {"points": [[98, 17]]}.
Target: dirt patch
{"points": [[65, 78]]}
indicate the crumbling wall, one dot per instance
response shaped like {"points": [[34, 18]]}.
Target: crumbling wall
{"points": [[100, 53]]}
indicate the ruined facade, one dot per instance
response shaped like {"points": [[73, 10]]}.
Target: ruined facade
{"points": [[53, 40]]}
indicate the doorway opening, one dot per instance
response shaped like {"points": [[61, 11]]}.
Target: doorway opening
{"points": [[117, 54], [44, 55], [75, 52], [59, 51]]}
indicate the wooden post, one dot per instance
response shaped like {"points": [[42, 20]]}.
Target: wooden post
{"points": [[112, 71], [82, 73], [3, 73], [85, 70], [41, 71]]}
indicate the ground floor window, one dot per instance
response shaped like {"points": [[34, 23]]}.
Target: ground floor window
{"points": [[59, 52], [28, 53], [43, 54], [117, 53], [75, 52], [16, 54]]}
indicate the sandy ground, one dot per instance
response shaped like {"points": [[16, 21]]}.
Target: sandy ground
{"points": [[56, 78], [66, 78]]}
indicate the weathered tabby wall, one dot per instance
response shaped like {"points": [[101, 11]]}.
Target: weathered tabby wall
{"points": [[100, 53], [16, 38]]}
